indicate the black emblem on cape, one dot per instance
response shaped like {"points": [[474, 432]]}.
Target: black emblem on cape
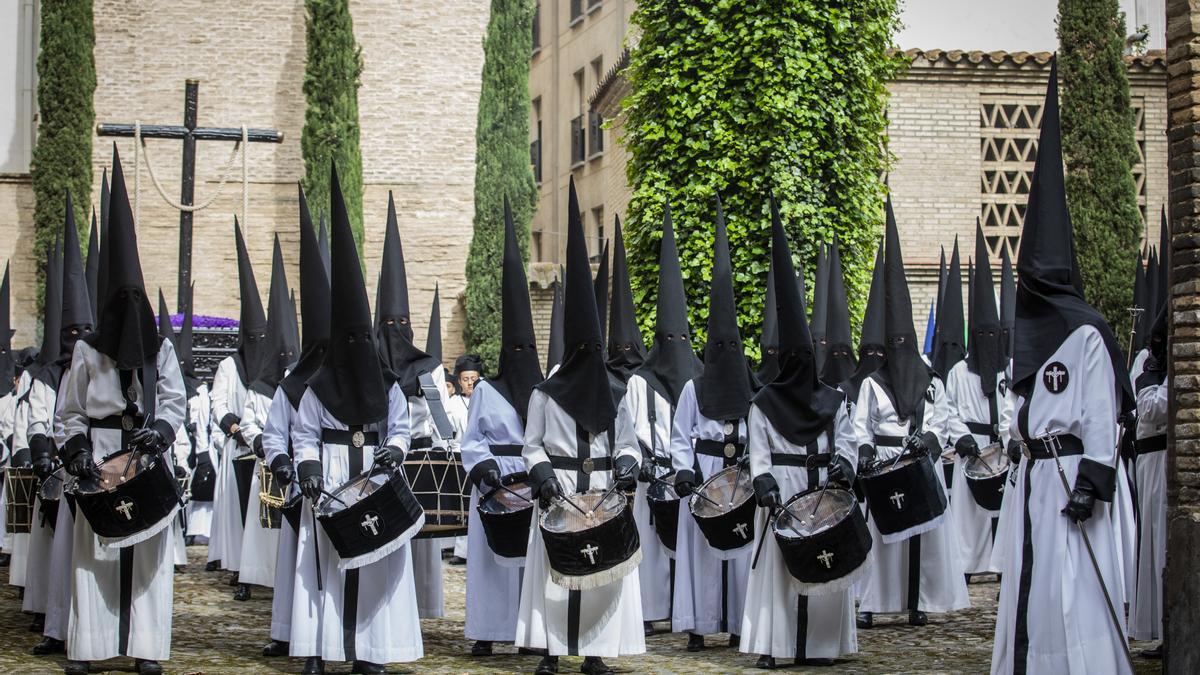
{"points": [[1055, 377]]}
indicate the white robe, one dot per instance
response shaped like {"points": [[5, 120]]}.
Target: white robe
{"points": [[775, 607], [103, 624], [457, 409], [697, 607], [1049, 587], [1146, 605], [8, 405], [383, 626], [228, 397], [609, 617], [493, 583], [427, 553], [259, 544], [200, 513], [968, 404], [39, 406], [940, 586], [58, 595], [655, 572], [18, 544], [276, 427]]}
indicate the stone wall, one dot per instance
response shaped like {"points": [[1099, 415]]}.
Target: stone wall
{"points": [[16, 243]]}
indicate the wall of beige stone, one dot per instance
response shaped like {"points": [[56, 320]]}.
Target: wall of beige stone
{"points": [[16, 241]]}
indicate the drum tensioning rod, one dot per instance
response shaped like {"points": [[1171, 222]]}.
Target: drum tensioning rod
{"points": [[1051, 442]]}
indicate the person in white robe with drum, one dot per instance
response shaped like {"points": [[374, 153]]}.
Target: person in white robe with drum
{"points": [[201, 460], [8, 405], [582, 457]]}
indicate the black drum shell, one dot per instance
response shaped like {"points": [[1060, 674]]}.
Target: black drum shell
{"points": [[664, 513], [721, 531], [849, 542], [392, 499], [948, 474], [204, 484], [924, 498], [49, 508], [154, 490], [615, 540], [291, 512], [243, 474], [988, 492]]}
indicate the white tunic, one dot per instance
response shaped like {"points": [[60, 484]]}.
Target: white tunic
{"points": [[8, 405], [1052, 616], [276, 423], [39, 419], [200, 513], [228, 397], [969, 406], [699, 568], [607, 621], [940, 586], [493, 583], [18, 544], [103, 623], [259, 544], [655, 572], [427, 553], [1146, 606], [368, 613]]}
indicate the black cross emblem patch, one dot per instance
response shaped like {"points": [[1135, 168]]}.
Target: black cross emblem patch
{"points": [[1055, 377]]}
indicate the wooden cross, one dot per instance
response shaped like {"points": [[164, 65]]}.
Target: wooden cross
{"points": [[189, 133]]}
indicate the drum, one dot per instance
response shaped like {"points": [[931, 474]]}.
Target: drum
{"points": [[134, 499], [724, 511], [50, 496], [20, 487], [591, 541], [824, 540], [506, 516], [243, 476], [904, 496], [369, 517], [664, 510], [986, 476], [185, 486], [292, 507], [270, 499], [204, 483], [440, 485], [948, 471]]}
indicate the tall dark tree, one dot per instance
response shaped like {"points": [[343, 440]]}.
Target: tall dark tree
{"points": [[1100, 150], [502, 168]]}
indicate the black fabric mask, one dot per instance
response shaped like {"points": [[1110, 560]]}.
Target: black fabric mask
{"points": [[626, 350], [870, 344], [314, 308], [904, 373], [520, 370]]}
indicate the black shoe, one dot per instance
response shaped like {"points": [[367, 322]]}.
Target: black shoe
{"points": [[367, 668], [735, 640], [481, 648], [648, 627], [819, 663], [547, 666], [765, 662], [233, 580], [695, 642], [457, 561], [531, 651], [39, 623], [189, 540], [313, 665], [148, 667], [865, 620], [76, 668], [276, 648], [242, 593], [968, 578], [5, 559], [48, 645], [592, 665], [179, 569], [1155, 653], [212, 566], [917, 618]]}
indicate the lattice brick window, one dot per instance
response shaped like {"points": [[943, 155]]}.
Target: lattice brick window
{"points": [[1139, 170]]}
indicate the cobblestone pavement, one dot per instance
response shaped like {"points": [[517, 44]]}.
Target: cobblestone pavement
{"points": [[215, 634]]}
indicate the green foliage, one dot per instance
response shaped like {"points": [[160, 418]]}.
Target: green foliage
{"points": [[502, 168], [1100, 150], [62, 158], [331, 129], [747, 98]]}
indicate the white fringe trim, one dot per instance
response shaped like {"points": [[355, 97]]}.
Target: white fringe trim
{"points": [[383, 551], [912, 531], [139, 537], [837, 585], [589, 581], [733, 553]]}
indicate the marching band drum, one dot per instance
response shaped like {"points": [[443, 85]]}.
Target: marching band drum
{"points": [[20, 487], [591, 539], [440, 485], [664, 510], [724, 507], [369, 517], [904, 496], [506, 514], [986, 476], [823, 537], [134, 498]]}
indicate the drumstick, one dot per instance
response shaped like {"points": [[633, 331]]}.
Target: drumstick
{"points": [[515, 494], [821, 496], [362, 488], [334, 498], [762, 537], [578, 508], [737, 484]]}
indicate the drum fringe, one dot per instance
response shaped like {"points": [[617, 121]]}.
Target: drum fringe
{"points": [[139, 537], [588, 582], [928, 526], [837, 585], [383, 551]]}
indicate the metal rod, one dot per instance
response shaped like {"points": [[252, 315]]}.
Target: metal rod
{"points": [[515, 494], [178, 133], [824, 487], [577, 507], [363, 488], [334, 498], [312, 507], [736, 485], [762, 537]]}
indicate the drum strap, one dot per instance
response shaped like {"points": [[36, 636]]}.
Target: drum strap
{"points": [[652, 417], [513, 450], [994, 416], [583, 479]]}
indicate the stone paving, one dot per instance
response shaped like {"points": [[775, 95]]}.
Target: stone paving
{"points": [[215, 634]]}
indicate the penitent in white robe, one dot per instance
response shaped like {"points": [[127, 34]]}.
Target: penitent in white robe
{"points": [[457, 409], [697, 606], [259, 544], [1052, 616], [604, 621], [106, 622], [8, 405], [1146, 606], [368, 613], [939, 586], [780, 620], [970, 413], [657, 569], [228, 398], [200, 513], [18, 544], [39, 404], [493, 439], [427, 552]]}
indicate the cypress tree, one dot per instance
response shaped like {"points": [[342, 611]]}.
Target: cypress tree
{"points": [[331, 129], [502, 168], [1100, 150], [62, 158]]}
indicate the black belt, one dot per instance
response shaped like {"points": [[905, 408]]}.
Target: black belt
{"points": [[1151, 444], [1065, 445], [664, 462], [982, 429], [511, 450], [586, 465], [124, 423], [719, 448], [355, 438], [889, 441], [422, 443], [816, 461]]}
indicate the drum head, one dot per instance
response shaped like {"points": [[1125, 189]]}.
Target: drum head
{"points": [[662, 490], [52, 487], [351, 492], [561, 517], [116, 470], [814, 512], [502, 501], [990, 463], [725, 491]]}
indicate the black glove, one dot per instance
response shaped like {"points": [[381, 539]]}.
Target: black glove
{"points": [[1014, 451], [549, 490], [83, 466], [1079, 507], [490, 479], [43, 467], [258, 447], [967, 447], [840, 472], [646, 472], [625, 473], [148, 439], [311, 486], [284, 473], [770, 499], [685, 483], [866, 457], [180, 472], [389, 455]]}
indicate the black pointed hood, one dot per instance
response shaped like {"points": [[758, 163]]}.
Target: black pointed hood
{"points": [[985, 351], [252, 323], [904, 373], [92, 268], [49, 364], [350, 381], [768, 363], [187, 361], [323, 241], [726, 385], [1152, 295], [839, 356], [820, 313], [433, 337], [671, 362], [282, 345], [8, 362], [1140, 301], [1050, 303], [796, 402], [519, 368], [580, 386], [165, 329], [600, 287], [555, 347], [77, 318], [403, 362], [1156, 338], [126, 331], [1008, 303], [871, 340], [950, 344], [102, 263], [626, 350], [314, 308]]}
